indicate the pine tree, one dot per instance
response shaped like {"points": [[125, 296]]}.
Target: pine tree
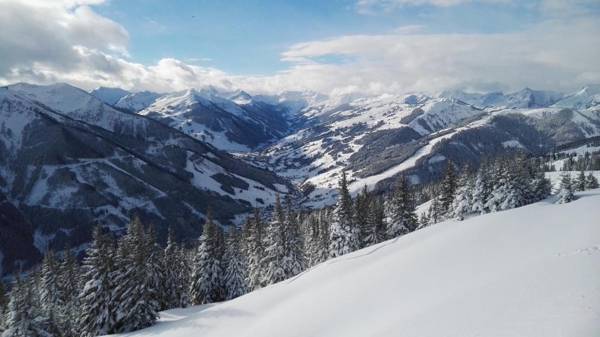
{"points": [[175, 281], [135, 292], [580, 182], [255, 251], [565, 193], [362, 203], [98, 304], [435, 212], [481, 191], [541, 187], [69, 282], [155, 270], [463, 199], [294, 261], [25, 318], [207, 275], [376, 224], [344, 236], [448, 189], [235, 272], [591, 182], [401, 210], [275, 254]]}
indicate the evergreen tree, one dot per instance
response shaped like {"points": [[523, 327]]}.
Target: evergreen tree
{"points": [[207, 275], [275, 254], [135, 287], [24, 316], [436, 211], [69, 282], [580, 182], [294, 261], [463, 199], [174, 288], [235, 273], [362, 203], [255, 251], [541, 187], [565, 194], [344, 235], [155, 270], [401, 210], [376, 224], [448, 189], [97, 301], [591, 182], [481, 191]]}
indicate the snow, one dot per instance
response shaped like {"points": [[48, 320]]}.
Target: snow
{"points": [[530, 271]]}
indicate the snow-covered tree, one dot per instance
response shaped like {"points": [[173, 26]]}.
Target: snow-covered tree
{"points": [[135, 286], [361, 207], [98, 304], [436, 211], [207, 275], [255, 250], [591, 182], [481, 191], [343, 235], [579, 184], [448, 189], [565, 193], [275, 254], [174, 294], [235, 272], [401, 217], [376, 224], [463, 198], [294, 261]]}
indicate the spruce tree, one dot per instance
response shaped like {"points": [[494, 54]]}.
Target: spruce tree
{"points": [[135, 288], [580, 182], [98, 305], [436, 211], [448, 189], [235, 272], [255, 250], [463, 199], [481, 191], [275, 253], [207, 275], [294, 261], [591, 182], [362, 203], [376, 224], [174, 287], [401, 210], [565, 194], [344, 235]]}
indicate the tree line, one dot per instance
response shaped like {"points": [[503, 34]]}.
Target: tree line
{"points": [[122, 283]]}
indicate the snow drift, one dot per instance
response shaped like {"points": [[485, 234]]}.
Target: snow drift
{"points": [[530, 271]]}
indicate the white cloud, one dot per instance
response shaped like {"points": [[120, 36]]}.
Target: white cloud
{"points": [[376, 6], [69, 42]]}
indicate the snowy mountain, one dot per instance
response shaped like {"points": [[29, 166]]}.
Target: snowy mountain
{"points": [[69, 161], [587, 97], [233, 122], [376, 138], [137, 101], [109, 96], [530, 271], [526, 98]]}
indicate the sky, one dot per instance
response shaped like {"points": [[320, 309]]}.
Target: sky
{"points": [[333, 47]]}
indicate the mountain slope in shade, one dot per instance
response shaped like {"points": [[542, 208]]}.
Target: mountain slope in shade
{"points": [[69, 163], [530, 271]]}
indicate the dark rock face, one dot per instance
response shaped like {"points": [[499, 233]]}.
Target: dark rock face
{"points": [[65, 171]]}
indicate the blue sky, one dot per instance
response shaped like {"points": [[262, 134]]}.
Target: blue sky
{"points": [[247, 37], [333, 47]]}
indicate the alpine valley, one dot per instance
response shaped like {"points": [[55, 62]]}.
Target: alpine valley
{"points": [[71, 159]]}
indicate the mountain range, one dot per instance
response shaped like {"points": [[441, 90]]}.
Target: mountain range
{"points": [[71, 159]]}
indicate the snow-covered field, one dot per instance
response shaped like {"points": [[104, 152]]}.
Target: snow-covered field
{"points": [[531, 271]]}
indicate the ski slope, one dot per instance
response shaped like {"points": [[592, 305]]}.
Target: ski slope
{"points": [[531, 271]]}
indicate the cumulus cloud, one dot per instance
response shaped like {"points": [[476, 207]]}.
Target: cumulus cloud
{"points": [[66, 41]]}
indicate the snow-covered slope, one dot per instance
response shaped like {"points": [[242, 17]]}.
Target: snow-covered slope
{"points": [[109, 96], [526, 98], [531, 271], [137, 101], [69, 161], [231, 121]]}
